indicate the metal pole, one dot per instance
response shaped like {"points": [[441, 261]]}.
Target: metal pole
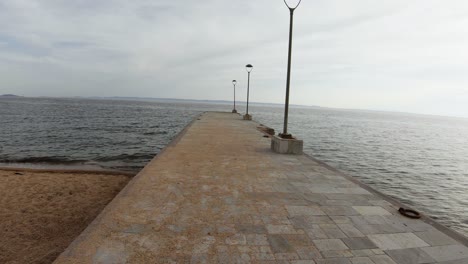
{"points": [[248, 85], [288, 80], [234, 96]]}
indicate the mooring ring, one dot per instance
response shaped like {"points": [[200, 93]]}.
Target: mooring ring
{"points": [[409, 213]]}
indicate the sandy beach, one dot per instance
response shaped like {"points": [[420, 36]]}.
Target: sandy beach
{"points": [[41, 212]]}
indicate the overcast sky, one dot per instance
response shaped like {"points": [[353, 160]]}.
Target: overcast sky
{"points": [[399, 55]]}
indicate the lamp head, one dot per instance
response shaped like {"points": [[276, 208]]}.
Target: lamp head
{"points": [[249, 67], [292, 4], [234, 82]]}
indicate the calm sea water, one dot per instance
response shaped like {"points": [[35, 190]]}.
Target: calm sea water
{"points": [[420, 160]]}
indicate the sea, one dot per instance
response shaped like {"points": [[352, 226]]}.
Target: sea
{"points": [[420, 160]]}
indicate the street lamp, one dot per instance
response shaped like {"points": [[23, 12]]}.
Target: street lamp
{"points": [[293, 4], [234, 82], [249, 68]]}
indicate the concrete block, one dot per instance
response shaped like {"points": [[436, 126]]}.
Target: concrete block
{"points": [[286, 146], [247, 117]]}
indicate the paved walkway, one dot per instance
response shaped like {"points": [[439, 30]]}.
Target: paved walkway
{"points": [[219, 195]]}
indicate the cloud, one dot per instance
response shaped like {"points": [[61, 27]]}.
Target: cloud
{"points": [[394, 55]]}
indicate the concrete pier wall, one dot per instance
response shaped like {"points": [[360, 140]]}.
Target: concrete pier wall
{"points": [[218, 194]]}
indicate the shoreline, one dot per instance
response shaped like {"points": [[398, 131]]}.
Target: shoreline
{"points": [[69, 170]]}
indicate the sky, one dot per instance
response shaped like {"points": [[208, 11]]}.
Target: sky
{"points": [[392, 55]]}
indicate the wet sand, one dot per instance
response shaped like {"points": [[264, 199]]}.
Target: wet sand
{"points": [[41, 212]]}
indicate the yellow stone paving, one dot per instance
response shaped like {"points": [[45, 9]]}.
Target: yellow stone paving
{"points": [[219, 195]]}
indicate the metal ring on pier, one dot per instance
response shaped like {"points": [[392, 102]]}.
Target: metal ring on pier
{"points": [[409, 213]]}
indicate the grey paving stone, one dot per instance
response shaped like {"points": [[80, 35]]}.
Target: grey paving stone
{"points": [[339, 210], [334, 232], [228, 257], [339, 219], [237, 239], [286, 256], [350, 230], [397, 241], [368, 229], [275, 219], [337, 254], [436, 238], [279, 244], [323, 189], [359, 243], [382, 259], [371, 210], [458, 261], [299, 240], [303, 262], [304, 210], [329, 244], [226, 229], [349, 197], [340, 202], [419, 226], [307, 222], [410, 256], [251, 229], [308, 253], [314, 197], [369, 219], [361, 260], [398, 224], [262, 254], [316, 232], [445, 253], [334, 261], [378, 251], [362, 252], [204, 245], [380, 202], [282, 229], [356, 190], [256, 239]]}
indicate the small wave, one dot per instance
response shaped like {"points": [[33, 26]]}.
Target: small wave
{"points": [[155, 133], [48, 160], [125, 157]]}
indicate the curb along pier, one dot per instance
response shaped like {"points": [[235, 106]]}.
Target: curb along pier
{"points": [[218, 194]]}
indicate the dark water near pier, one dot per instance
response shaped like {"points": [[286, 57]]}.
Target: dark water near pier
{"points": [[420, 160]]}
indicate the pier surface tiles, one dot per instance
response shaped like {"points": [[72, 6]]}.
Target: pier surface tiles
{"points": [[217, 194]]}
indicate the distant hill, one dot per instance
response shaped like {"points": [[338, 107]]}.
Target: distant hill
{"points": [[9, 96]]}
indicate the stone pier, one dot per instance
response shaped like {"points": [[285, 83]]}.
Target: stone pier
{"points": [[218, 194]]}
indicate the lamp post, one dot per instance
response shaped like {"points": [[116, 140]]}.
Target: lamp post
{"points": [[285, 133], [249, 68], [234, 82]]}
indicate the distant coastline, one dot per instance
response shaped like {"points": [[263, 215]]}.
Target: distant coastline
{"points": [[9, 96], [189, 100], [222, 102]]}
